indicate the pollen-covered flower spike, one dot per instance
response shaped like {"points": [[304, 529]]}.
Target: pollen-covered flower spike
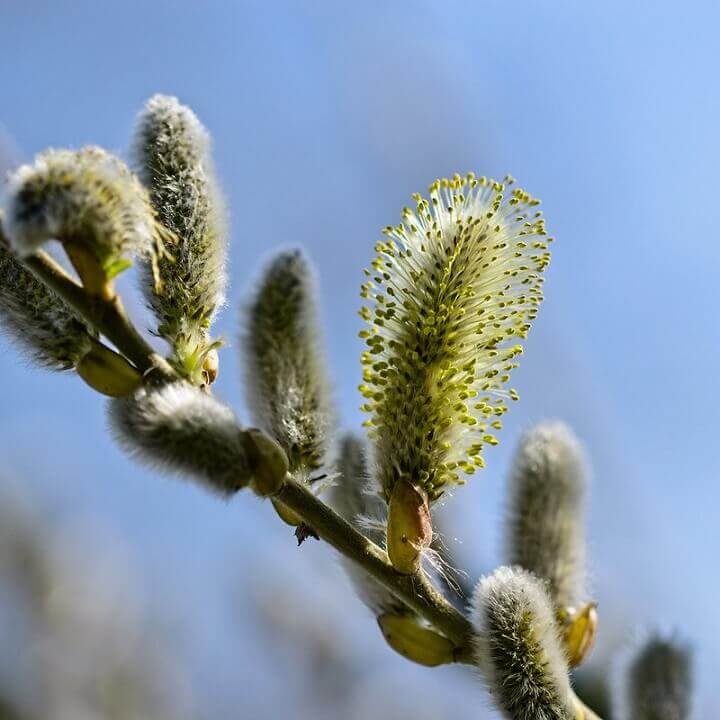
{"points": [[654, 681], [173, 159], [180, 428], [518, 647], [545, 528], [92, 204], [286, 379], [36, 319], [453, 289]]}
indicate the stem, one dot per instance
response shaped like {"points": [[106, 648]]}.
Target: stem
{"points": [[107, 315], [414, 590]]}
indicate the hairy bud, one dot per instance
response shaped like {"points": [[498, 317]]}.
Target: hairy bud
{"points": [[518, 646], [173, 159], [90, 202], [654, 681], [451, 291], [286, 376], [545, 529], [544, 532], [180, 428], [36, 319]]}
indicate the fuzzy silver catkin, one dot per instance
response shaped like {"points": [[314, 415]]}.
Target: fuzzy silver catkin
{"points": [[545, 528], [87, 197], [36, 319], [654, 681], [518, 647], [173, 159], [180, 428], [286, 378], [355, 499]]}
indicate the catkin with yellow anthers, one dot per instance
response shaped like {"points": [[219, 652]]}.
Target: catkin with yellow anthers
{"points": [[36, 319], [285, 372], [415, 641], [179, 428], [654, 681], [173, 159], [356, 499], [545, 523], [518, 647], [453, 289], [90, 202]]}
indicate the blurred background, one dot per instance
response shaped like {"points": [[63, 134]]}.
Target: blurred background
{"points": [[128, 595]]}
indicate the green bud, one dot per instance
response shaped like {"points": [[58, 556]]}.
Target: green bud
{"points": [[408, 636], [108, 373], [409, 526], [268, 462]]}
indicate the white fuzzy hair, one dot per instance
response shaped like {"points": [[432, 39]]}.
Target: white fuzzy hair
{"points": [[518, 647], [179, 428]]}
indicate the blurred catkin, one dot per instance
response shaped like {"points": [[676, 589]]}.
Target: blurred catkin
{"points": [[180, 428], [545, 528], [173, 159], [36, 319], [286, 377], [654, 681], [356, 500], [90, 202], [518, 647]]}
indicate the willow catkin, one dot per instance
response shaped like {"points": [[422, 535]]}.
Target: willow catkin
{"points": [[172, 156], [518, 647]]}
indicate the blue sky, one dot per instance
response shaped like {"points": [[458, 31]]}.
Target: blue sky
{"points": [[326, 117]]}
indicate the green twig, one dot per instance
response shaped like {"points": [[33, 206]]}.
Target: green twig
{"points": [[416, 591], [106, 316]]}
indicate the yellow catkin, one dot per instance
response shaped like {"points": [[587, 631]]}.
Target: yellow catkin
{"points": [[453, 289]]}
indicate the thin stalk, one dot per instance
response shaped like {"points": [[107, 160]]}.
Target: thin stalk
{"points": [[415, 591], [108, 316]]}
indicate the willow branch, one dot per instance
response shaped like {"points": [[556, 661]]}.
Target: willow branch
{"points": [[416, 591], [106, 316]]}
